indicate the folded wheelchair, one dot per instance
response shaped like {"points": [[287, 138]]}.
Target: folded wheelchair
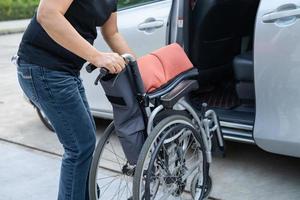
{"points": [[158, 146]]}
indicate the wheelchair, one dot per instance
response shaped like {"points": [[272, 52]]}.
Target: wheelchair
{"points": [[174, 160]]}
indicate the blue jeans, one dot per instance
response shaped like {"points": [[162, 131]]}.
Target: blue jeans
{"points": [[62, 97]]}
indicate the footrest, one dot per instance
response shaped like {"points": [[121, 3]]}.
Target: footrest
{"points": [[171, 98]]}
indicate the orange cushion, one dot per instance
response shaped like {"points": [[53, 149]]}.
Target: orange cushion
{"points": [[162, 65]]}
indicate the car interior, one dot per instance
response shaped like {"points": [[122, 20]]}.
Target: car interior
{"points": [[221, 35]]}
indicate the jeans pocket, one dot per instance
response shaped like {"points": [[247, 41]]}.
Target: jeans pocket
{"points": [[61, 86], [26, 82]]}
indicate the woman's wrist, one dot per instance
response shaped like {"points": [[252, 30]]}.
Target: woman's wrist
{"points": [[95, 57]]}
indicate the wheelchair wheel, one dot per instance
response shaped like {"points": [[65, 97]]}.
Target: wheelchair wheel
{"points": [[195, 188], [44, 119], [171, 157], [106, 178]]}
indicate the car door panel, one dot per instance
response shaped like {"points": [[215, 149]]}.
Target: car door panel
{"points": [[277, 72], [144, 28]]}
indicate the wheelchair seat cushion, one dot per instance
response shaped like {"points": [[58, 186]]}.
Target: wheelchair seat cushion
{"points": [[162, 65]]}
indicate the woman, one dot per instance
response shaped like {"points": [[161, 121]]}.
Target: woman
{"points": [[54, 47]]}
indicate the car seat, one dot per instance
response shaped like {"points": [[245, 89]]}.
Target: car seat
{"points": [[216, 29], [244, 75]]}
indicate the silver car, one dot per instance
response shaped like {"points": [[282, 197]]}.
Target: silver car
{"points": [[247, 53]]}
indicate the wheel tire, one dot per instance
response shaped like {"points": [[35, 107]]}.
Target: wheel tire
{"points": [[147, 145], [207, 189], [93, 193], [44, 119]]}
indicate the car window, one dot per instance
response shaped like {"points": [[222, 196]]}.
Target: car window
{"points": [[123, 4]]}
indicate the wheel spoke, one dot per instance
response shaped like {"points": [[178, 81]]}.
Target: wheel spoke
{"points": [[115, 154], [128, 190], [106, 186], [108, 177]]}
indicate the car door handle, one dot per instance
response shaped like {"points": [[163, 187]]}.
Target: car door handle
{"points": [[149, 25], [277, 15]]}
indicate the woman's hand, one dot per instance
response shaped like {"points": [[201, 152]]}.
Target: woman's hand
{"points": [[111, 61]]}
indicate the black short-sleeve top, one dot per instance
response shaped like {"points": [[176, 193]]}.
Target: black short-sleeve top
{"points": [[38, 48]]}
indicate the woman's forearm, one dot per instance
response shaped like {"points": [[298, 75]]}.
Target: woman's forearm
{"points": [[118, 44], [113, 37], [62, 32]]}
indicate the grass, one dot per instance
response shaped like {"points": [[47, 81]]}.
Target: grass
{"points": [[17, 9]]}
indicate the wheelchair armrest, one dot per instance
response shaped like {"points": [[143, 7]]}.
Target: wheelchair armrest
{"points": [[190, 74], [183, 88]]}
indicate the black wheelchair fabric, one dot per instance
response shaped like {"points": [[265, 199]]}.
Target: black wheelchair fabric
{"points": [[128, 117]]}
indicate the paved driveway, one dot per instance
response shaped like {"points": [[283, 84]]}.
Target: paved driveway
{"points": [[30, 154]]}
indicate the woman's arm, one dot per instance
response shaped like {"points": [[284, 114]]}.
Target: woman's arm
{"points": [[113, 38], [50, 15]]}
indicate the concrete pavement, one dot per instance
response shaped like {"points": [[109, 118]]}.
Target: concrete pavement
{"points": [[247, 173], [27, 174], [13, 26]]}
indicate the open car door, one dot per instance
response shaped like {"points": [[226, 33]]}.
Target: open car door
{"points": [[277, 76]]}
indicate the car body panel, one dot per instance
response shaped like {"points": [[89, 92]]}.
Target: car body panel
{"points": [[277, 79], [141, 42]]}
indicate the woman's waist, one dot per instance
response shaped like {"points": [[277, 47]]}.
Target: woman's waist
{"points": [[50, 63]]}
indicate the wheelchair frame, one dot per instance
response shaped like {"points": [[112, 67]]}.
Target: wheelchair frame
{"points": [[206, 124]]}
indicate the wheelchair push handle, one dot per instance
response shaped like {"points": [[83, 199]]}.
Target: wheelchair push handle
{"points": [[90, 68], [103, 72], [128, 58]]}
